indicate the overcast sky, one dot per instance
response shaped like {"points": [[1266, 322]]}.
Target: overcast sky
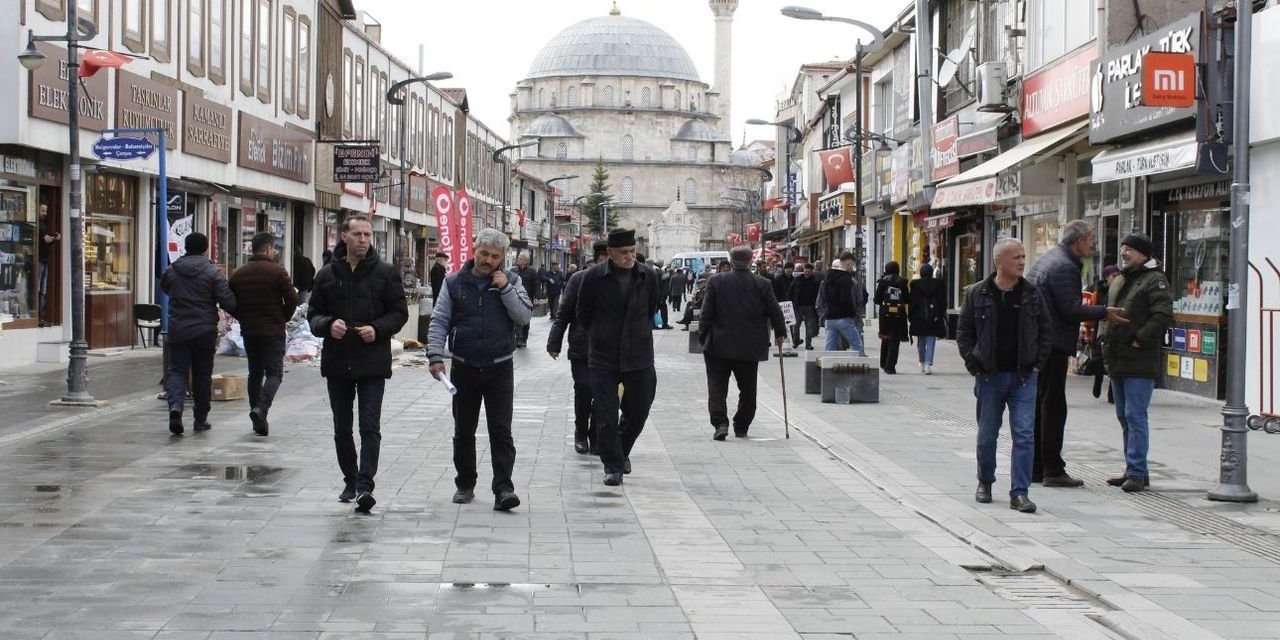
{"points": [[488, 45]]}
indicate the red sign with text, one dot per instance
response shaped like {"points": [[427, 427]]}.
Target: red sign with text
{"points": [[1057, 94], [465, 232], [442, 196]]}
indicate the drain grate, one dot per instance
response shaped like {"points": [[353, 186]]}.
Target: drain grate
{"points": [[1038, 590], [1249, 539]]}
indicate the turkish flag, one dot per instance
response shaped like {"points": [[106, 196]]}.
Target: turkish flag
{"points": [[837, 166], [774, 203], [753, 232], [95, 59], [520, 217]]}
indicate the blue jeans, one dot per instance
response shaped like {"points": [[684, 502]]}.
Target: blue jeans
{"points": [[924, 346], [1133, 397], [1018, 392], [843, 327]]}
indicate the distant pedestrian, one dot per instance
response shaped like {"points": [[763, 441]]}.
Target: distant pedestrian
{"points": [[1133, 351], [695, 304], [804, 297], [436, 276], [480, 308], [844, 299], [734, 330], [1004, 338], [304, 275], [891, 294], [780, 279], [265, 301], [584, 423], [358, 305], [616, 303], [1058, 276], [664, 293], [196, 289], [529, 280], [927, 311], [679, 282], [49, 240], [553, 286]]}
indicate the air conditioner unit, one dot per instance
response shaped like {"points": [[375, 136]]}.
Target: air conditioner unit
{"points": [[993, 77]]}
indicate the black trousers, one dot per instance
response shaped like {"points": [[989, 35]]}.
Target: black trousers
{"points": [[662, 311], [614, 442], [584, 421], [494, 387], [266, 369], [889, 354], [553, 306], [195, 354], [367, 394], [522, 335], [745, 373], [808, 316], [1051, 417], [675, 302]]}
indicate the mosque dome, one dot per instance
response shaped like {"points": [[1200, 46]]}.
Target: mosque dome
{"points": [[614, 45]]}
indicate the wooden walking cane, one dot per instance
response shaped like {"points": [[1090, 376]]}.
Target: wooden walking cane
{"points": [[782, 371]]}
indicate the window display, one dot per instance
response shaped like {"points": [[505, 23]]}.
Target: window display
{"points": [[1041, 235], [108, 253], [1201, 262], [17, 255]]}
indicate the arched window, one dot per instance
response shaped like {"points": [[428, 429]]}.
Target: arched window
{"points": [[691, 154], [680, 106], [542, 98], [608, 95], [628, 190], [690, 192], [628, 147], [646, 97], [562, 151], [571, 97]]}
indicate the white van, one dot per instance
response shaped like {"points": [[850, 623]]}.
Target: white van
{"points": [[694, 261]]}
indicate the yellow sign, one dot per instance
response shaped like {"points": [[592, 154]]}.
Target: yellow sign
{"points": [[1202, 370], [1173, 366]]}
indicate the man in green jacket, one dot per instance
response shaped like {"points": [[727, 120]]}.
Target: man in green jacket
{"points": [[1132, 351]]}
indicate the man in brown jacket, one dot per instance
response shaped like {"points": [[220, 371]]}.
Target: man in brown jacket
{"points": [[266, 300]]}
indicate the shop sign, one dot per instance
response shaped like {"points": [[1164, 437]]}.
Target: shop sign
{"points": [[143, 103], [901, 161], [915, 189], [123, 148], [884, 176], [1211, 191], [1164, 155], [1116, 97], [940, 222], [1168, 80], [1209, 343], [1188, 369], [946, 160], [1193, 340], [417, 193], [271, 148], [1057, 94], [1179, 339], [983, 191], [16, 166], [206, 128], [356, 163], [48, 91], [177, 203], [973, 143], [1173, 364]]}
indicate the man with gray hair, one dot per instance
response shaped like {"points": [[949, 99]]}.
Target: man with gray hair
{"points": [[1057, 274], [479, 311]]}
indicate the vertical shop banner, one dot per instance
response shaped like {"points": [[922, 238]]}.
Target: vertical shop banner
{"points": [[465, 232], [946, 158], [837, 166], [178, 231], [442, 196]]}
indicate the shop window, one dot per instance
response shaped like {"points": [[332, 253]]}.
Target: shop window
{"points": [[19, 288], [1201, 262], [968, 264], [217, 18], [1041, 234], [160, 30], [628, 190]]}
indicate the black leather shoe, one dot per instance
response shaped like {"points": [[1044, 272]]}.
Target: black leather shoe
{"points": [[348, 494], [364, 502], [739, 433], [259, 420], [626, 465], [612, 479], [983, 494], [1064, 481], [1132, 485], [175, 422], [1022, 503], [464, 496], [581, 446], [721, 434], [506, 501], [1119, 481]]}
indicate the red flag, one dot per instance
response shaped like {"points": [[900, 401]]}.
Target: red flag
{"points": [[773, 203], [442, 196], [95, 59], [753, 232], [837, 166], [520, 217], [465, 232]]}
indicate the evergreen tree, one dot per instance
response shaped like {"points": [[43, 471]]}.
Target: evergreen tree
{"points": [[589, 207]]}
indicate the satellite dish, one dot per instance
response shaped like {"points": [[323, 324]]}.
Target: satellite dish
{"points": [[951, 63]]}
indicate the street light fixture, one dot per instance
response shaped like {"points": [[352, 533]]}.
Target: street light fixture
{"points": [[793, 138], [395, 96], [506, 175], [31, 59]]}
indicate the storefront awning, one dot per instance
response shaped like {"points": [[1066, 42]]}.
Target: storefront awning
{"points": [[1158, 156], [995, 180]]}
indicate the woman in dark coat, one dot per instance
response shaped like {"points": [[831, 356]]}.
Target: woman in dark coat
{"points": [[928, 314], [891, 296]]}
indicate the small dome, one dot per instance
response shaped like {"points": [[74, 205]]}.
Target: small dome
{"points": [[699, 131], [745, 157], [552, 126], [614, 45]]}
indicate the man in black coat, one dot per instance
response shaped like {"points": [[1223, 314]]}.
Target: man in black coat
{"points": [[616, 303], [584, 423], [734, 330], [533, 287], [357, 305], [304, 274], [1057, 275], [436, 276], [804, 295], [679, 282], [265, 301]]}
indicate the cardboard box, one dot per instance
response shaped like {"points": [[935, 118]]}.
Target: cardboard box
{"points": [[230, 387]]}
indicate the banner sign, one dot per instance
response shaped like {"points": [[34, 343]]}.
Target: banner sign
{"points": [[443, 199], [464, 230], [356, 163]]}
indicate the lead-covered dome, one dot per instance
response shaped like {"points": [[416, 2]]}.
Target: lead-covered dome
{"points": [[614, 45]]}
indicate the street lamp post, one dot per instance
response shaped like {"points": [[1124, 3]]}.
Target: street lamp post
{"points": [[395, 96], [506, 175], [793, 138], [31, 59]]}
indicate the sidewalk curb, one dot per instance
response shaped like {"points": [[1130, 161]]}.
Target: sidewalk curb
{"points": [[117, 405]]}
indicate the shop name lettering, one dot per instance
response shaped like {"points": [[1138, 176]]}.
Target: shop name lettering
{"points": [[1057, 93], [281, 155], [54, 98], [208, 137], [1130, 64], [131, 119], [1142, 165]]}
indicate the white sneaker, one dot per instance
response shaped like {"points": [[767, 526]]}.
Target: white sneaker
{"points": [[922, 368], [928, 369]]}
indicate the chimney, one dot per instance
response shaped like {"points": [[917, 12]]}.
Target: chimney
{"points": [[372, 27]]}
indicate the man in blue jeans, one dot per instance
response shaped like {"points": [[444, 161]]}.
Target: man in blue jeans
{"points": [[844, 299], [995, 310], [1132, 351]]}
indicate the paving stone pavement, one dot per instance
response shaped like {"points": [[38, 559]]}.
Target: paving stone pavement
{"points": [[861, 525]]}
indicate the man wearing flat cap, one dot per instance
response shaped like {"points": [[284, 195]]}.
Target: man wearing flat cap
{"points": [[1132, 351], [616, 303], [584, 424], [737, 310]]}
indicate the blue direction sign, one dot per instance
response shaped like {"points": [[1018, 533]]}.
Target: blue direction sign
{"points": [[122, 148]]}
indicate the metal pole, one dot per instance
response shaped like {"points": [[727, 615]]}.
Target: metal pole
{"points": [[924, 83], [857, 166], [506, 181], [162, 234], [403, 184], [1234, 458], [77, 366]]}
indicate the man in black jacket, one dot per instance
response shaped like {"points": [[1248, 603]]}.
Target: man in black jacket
{"points": [[304, 274], [845, 299], [265, 301], [532, 286], [1057, 275], [804, 295], [584, 424], [1004, 336], [616, 303], [436, 276], [357, 305], [734, 329], [196, 289]]}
